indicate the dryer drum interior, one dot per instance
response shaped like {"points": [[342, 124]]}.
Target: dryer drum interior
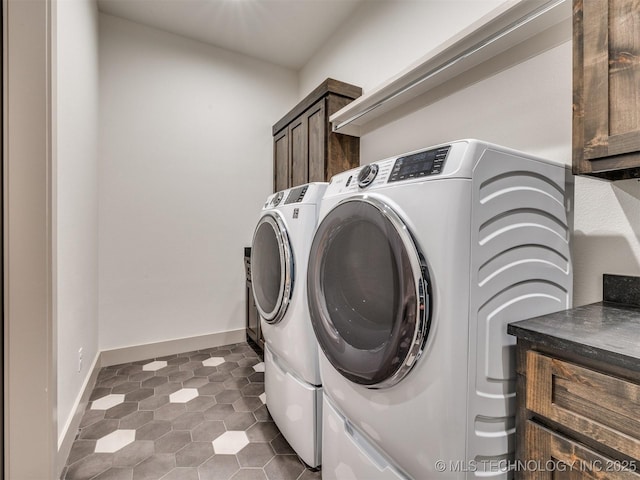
{"points": [[271, 268], [368, 292]]}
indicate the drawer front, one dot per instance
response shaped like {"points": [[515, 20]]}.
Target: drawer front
{"points": [[602, 407], [550, 456]]}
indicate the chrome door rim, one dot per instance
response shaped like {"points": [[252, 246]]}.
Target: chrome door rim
{"points": [[421, 281], [286, 269]]}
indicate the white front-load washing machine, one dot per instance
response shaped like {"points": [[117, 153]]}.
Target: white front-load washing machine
{"points": [[279, 255], [417, 265]]}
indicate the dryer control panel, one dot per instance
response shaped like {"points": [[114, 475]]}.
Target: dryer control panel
{"points": [[449, 160], [428, 162]]}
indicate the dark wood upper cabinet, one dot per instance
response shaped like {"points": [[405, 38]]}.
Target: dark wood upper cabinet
{"points": [[606, 88], [281, 160], [304, 147]]}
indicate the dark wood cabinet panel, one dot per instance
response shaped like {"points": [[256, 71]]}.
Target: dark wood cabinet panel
{"points": [[281, 160], [555, 457], [606, 98], [313, 152], [341, 148], [317, 127], [585, 400], [298, 154]]}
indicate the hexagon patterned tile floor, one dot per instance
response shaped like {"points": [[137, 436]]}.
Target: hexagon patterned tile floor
{"points": [[193, 416]]}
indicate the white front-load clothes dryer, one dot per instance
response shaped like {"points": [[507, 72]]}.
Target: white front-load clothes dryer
{"points": [[279, 255], [417, 264]]}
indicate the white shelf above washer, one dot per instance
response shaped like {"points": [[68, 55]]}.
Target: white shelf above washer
{"points": [[508, 25]]}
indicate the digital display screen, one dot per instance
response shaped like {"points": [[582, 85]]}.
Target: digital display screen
{"points": [[296, 195], [419, 164]]}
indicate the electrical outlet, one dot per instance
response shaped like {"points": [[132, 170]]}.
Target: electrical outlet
{"points": [[80, 360]]}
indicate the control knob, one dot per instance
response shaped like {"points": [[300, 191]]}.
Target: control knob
{"points": [[367, 175], [277, 199]]}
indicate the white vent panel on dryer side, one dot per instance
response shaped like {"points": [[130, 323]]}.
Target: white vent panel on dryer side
{"points": [[520, 268]]}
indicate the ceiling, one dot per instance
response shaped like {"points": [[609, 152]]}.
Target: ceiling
{"points": [[283, 32]]}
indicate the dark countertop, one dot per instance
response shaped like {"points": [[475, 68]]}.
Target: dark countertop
{"points": [[604, 331]]}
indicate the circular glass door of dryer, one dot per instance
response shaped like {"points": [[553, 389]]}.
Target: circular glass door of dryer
{"points": [[368, 292], [271, 268]]}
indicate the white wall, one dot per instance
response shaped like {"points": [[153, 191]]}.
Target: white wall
{"points": [[383, 37], [76, 115], [606, 237], [526, 106], [185, 164]]}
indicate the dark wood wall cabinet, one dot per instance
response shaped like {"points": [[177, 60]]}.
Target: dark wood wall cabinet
{"points": [[578, 393], [304, 147], [606, 97]]}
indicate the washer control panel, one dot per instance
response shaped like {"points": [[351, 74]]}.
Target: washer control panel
{"points": [[428, 162], [296, 194]]}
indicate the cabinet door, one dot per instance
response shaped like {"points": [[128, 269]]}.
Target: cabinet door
{"points": [[550, 456], [606, 77], [281, 179], [307, 133], [584, 400], [299, 156]]}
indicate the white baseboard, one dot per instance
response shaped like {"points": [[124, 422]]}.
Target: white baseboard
{"points": [[65, 441], [170, 347]]}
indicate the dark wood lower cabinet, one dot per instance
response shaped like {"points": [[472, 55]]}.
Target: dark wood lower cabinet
{"points": [[578, 389], [550, 455], [578, 418]]}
